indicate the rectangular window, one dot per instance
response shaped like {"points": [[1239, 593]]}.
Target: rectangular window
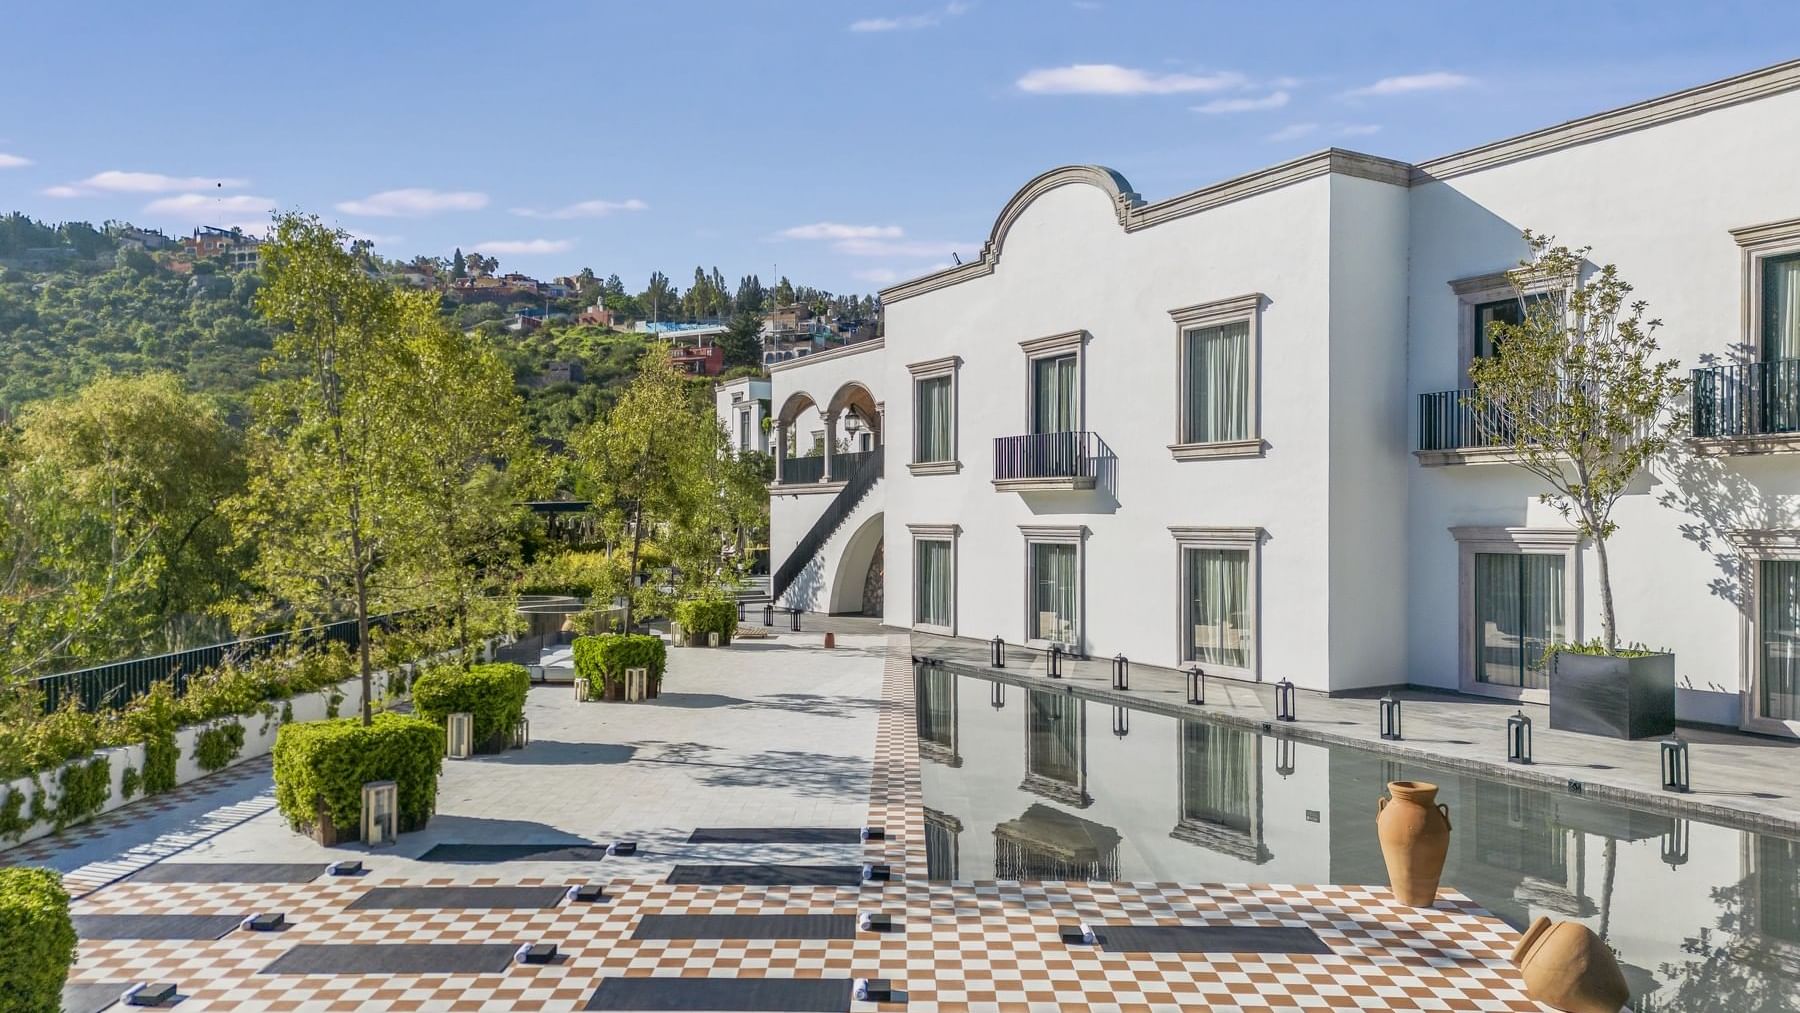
{"points": [[1778, 627], [1055, 591], [1519, 611], [1053, 394], [1509, 311], [1218, 607], [744, 430], [1218, 383], [932, 438], [1781, 307], [932, 583]]}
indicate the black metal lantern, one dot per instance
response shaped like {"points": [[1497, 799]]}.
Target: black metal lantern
{"points": [[769, 614], [1284, 700], [1121, 672], [997, 695], [1121, 722], [1196, 685], [997, 652], [1675, 845], [1518, 738], [1053, 662], [1675, 764], [740, 610], [1390, 717], [794, 620], [1284, 757]]}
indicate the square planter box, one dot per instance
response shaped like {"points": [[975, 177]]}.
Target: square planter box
{"points": [[1623, 698]]}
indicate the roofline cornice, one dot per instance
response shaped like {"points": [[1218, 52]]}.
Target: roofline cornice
{"points": [[836, 353]]}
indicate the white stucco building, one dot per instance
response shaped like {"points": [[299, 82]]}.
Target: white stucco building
{"points": [[1212, 428]]}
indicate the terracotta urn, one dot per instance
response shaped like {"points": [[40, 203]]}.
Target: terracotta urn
{"points": [[1567, 967], [1414, 828]]}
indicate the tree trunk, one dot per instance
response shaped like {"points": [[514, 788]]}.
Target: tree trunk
{"points": [[637, 541], [362, 647], [1608, 633]]}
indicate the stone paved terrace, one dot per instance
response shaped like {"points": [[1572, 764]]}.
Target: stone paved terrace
{"points": [[771, 733], [1738, 779]]}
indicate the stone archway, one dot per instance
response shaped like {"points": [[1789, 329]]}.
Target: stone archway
{"points": [[860, 558]]}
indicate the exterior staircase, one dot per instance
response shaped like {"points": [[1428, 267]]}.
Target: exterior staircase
{"points": [[863, 477]]}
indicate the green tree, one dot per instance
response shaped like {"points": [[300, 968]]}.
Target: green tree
{"points": [[332, 505], [459, 266], [1576, 393], [784, 292], [742, 340]]}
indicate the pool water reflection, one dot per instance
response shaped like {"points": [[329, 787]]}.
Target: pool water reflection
{"points": [[1027, 784]]}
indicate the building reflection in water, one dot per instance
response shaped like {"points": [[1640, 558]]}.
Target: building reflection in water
{"points": [[1047, 843], [934, 694], [1056, 748], [1221, 791], [943, 852]]}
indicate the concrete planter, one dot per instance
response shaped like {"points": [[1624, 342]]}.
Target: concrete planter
{"points": [[1623, 698]]}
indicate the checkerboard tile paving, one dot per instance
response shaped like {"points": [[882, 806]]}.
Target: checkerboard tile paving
{"points": [[993, 947]]}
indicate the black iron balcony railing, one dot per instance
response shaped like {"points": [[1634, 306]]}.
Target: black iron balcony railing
{"points": [[1048, 455], [1746, 399], [1456, 420], [796, 470], [843, 465]]}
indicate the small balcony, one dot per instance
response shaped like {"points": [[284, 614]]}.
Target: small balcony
{"points": [[1747, 408], [1048, 462], [1454, 428], [803, 470]]}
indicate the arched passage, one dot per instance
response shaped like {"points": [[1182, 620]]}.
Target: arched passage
{"points": [[853, 401], [854, 568]]}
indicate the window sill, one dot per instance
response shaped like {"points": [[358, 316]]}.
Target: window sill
{"points": [[936, 631], [1731, 446], [934, 467], [1226, 449], [1076, 483], [1250, 674], [804, 488]]}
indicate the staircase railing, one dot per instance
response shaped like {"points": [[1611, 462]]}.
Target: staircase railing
{"points": [[862, 478]]}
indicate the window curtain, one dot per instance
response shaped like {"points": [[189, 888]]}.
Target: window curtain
{"points": [[1219, 606], [1778, 591], [934, 419], [1218, 775], [1781, 308], [935, 688], [1055, 585], [1053, 388], [1055, 748], [1218, 383], [1519, 611], [933, 578]]}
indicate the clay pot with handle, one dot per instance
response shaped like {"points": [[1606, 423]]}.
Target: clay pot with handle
{"points": [[1414, 828], [1566, 966]]}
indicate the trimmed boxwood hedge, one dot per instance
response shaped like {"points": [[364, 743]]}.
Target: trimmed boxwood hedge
{"points": [[494, 694], [37, 937], [322, 766], [602, 660], [700, 616]]}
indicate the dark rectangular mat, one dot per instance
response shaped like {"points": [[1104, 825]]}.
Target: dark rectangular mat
{"points": [[155, 926], [229, 872], [394, 958], [746, 927], [767, 875], [1209, 939], [776, 835], [796, 995], [90, 996], [515, 853], [412, 897]]}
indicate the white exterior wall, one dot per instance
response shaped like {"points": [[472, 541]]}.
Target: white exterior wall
{"points": [[749, 393]]}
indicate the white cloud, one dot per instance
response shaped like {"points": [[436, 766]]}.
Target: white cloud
{"points": [[516, 247], [893, 247], [13, 161], [877, 275], [911, 22], [1273, 100], [210, 208], [377, 238], [1359, 129], [1294, 131], [120, 181], [62, 190], [585, 209], [836, 230], [1408, 83], [414, 202], [1112, 79]]}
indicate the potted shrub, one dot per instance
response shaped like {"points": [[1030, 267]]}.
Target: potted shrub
{"points": [[321, 766], [494, 694], [705, 615], [37, 936], [1576, 395], [602, 660]]}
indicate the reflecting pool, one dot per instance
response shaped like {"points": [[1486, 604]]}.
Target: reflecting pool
{"points": [[1028, 784]]}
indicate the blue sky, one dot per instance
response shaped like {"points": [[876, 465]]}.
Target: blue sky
{"points": [[852, 144]]}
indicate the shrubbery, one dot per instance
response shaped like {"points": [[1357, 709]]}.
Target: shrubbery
{"points": [[321, 766], [38, 938], [586, 574], [602, 660], [712, 614], [494, 694]]}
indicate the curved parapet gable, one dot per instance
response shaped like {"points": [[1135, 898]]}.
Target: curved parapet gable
{"points": [[1117, 188]]}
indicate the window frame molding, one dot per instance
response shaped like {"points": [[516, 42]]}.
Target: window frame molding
{"points": [[1057, 534], [1754, 547], [1237, 539], [932, 369], [1051, 347], [1245, 308], [1760, 243], [933, 533], [1478, 289], [1493, 540]]}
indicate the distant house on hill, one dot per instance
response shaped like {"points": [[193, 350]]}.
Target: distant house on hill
{"points": [[240, 251], [598, 315], [139, 239], [562, 372]]}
